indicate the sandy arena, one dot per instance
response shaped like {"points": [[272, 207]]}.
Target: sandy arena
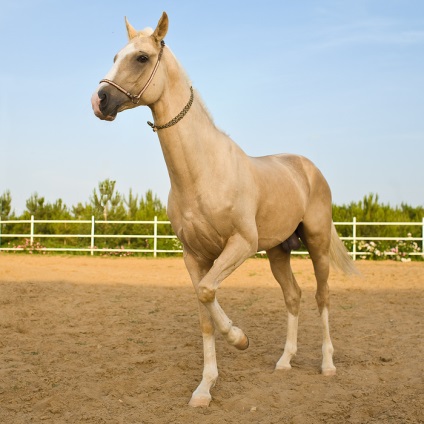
{"points": [[117, 340]]}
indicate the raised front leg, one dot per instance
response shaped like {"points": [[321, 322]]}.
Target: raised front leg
{"points": [[237, 250], [206, 278]]}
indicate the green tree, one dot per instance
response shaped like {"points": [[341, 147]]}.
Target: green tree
{"points": [[107, 201], [132, 205], [5, 205], [41, 210], [108, 204], [35, 205], [151, 206], [370, 209], [81, 211]]}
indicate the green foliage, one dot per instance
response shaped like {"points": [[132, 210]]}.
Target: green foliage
{"points": [[105, 204], [371, 210], [132, 206], [5, 205], [41, 209], [108, 204]]}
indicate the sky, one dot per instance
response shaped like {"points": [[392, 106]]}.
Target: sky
{"points": [[338, 81]]}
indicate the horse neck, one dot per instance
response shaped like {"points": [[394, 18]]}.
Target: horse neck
{"points": [[193, 148]]}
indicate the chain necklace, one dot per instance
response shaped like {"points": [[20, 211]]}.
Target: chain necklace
{"points": [[177, 118]]}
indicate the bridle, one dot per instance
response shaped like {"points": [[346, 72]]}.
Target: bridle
{"points": [[136, 98]]}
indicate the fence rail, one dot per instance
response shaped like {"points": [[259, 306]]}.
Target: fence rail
{"points": [[92, 236]]}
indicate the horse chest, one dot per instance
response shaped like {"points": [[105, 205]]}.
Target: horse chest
{"points": [[201, 233]]}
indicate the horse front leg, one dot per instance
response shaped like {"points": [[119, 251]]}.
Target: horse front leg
{"points": [[201, 397], [236, 251], [206, 279]]}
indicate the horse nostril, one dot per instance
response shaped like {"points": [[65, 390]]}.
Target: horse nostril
{"points": [[103, 98]]}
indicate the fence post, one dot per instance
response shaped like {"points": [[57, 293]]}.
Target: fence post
{"points": [[0, 226], [422, 242], [92, 234], [155, 239], [354, 238], [32, 230]]}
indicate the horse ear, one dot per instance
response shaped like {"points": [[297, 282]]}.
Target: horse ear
{"points": [[130, 30], [162, 28]]}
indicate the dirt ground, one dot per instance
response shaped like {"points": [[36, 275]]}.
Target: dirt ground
{"points": [[116, 340]]}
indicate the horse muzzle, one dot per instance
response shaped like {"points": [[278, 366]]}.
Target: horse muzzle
{"points": [[104, 107]]}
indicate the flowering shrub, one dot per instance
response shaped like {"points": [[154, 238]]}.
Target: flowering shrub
{"points": [[403, 248], [372, 249], [382, 250], [26, 246]]}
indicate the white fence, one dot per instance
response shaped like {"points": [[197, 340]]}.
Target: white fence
{"points": [[92, 236], [154, 236]]}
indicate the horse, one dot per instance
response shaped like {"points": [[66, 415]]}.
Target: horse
{"points": [[223, 205]]}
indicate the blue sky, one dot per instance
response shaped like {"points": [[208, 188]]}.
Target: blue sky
{"points": [[338, 81]]}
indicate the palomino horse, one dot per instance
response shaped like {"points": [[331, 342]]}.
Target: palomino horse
{"points": [[225, 206]]}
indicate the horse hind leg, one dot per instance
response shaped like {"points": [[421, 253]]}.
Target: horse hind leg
{"points": [[327, 367], [318, 245], [279, 259]]}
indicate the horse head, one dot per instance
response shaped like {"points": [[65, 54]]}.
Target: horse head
{"points": [[128, 84]]}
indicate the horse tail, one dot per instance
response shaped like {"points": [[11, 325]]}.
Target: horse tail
{"points": [[339, 258]]}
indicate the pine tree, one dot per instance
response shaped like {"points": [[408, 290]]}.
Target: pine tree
{"points": [[106, 200], [5, 205]]}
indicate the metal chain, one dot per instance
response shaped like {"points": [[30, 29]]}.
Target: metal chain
{"points": [[177, 118]]}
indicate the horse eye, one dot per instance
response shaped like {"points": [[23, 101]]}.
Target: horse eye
{"points": [[142, 59]]}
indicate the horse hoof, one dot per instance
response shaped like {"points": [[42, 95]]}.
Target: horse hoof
{"points": [[243, 344], [200, 401], [328, 372], [283, 367]]}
